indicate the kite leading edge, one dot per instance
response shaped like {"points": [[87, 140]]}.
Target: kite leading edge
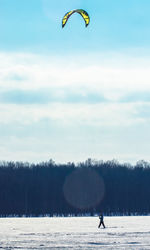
{"points": [[83, 13]]}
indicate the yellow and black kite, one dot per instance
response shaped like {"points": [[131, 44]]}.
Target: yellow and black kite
{"points": [[83, 13]]}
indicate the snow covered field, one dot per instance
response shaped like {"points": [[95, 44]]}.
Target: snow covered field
{"points": [[75, 233]]}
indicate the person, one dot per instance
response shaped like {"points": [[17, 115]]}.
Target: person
{"points": [[101, 217]]}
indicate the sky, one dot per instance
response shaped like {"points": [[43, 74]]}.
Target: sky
{"points": [[74, 93]]}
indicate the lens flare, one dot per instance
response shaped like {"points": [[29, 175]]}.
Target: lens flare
{"points": [[84, 188]]}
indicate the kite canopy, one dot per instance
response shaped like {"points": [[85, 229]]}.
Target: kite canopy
{"points": [[83, 13]]}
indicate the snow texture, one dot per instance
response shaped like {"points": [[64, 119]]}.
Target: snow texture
{"points": [[75, 233]]}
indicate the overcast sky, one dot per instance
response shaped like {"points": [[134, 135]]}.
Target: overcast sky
{"points": [[74, 93]]}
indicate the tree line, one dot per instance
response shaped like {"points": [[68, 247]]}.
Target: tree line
{"points": [[88, 187]]}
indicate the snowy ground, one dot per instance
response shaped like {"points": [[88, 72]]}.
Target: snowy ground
{"points": [[75, 233]]}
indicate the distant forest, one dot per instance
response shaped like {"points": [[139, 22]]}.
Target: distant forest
{"points": [[88, 187]]}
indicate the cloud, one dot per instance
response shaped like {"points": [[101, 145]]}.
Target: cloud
{"points": [[94, 73], [81, 114], [101, 90], [137, 96], [72, 108], [45, 96]]}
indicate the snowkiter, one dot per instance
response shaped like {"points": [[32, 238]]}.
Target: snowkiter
{"points": [[101, 217]]}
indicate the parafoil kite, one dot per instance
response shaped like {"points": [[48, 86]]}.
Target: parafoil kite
{"points": [[83, 13]]}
